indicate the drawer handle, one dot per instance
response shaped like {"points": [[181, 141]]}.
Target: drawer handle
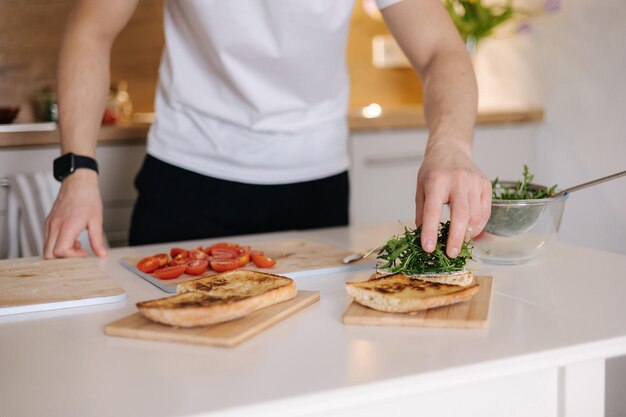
{"points": [[394, 160]]}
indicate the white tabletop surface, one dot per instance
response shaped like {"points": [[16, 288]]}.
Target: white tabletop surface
{"points": [[566, 306]]}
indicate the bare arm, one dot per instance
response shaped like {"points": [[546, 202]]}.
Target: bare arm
{"points": [[426, 34], [83, 83]]}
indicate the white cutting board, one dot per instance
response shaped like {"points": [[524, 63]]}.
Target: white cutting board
{"points": [[33, 284], [295, 258]]}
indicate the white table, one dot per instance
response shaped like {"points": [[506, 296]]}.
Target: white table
{"points": [[553, 324]]}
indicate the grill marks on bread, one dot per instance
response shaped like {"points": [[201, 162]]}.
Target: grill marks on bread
{"points": [[398, 293], [219, 298], [412, 284]]}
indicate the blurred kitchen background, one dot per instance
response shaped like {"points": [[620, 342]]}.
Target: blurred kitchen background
{"points": [[552, 96]]}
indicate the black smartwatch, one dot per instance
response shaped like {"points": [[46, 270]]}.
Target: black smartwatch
{"points": [[68, 163]]}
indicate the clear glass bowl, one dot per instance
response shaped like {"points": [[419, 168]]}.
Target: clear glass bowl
{"points": [[519, 230]]}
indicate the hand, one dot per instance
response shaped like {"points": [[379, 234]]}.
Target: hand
{"points": [[448, 175], [77, 207]]}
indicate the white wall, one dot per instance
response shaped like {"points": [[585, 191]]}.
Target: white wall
{"points": [[582, 56], [574, 63]]}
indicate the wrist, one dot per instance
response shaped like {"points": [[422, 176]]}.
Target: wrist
{"points": [[449, 144], [81, 178], [70, 163]]}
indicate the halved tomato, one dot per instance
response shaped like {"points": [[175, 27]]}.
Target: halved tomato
{"points": [[243, 260], [148, 265], [224, 245], [262, 261], [197, 266], [224, 253], [177, 251], [163, 258], [197, 253], [221, 265], [179, 261], [242, 250], [170, 272]]}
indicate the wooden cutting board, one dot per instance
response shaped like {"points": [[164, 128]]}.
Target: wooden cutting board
{"points": [[34, 284], [473, 313], [294, 258], [227, 334]]}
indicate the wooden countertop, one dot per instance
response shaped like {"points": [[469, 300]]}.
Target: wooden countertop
{"points": [[413, 117], [395, 118]]}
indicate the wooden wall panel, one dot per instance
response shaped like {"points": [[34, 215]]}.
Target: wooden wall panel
{"points": [[30, 32], [397, 87]]}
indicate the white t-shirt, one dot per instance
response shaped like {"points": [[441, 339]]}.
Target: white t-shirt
{"points": [[254, 91]]}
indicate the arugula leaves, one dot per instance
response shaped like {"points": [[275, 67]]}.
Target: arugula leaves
{"points": [[522, 190], [404, 253]]}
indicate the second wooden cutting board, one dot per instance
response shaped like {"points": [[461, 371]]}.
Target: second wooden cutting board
{"points": [[228, 334], [473, 313], [294, 258], [33, 284]]}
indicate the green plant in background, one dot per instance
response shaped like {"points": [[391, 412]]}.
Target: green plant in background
{"points": [[475, 20]]}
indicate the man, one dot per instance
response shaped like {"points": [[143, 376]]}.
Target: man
{"points": [[251, 132]]}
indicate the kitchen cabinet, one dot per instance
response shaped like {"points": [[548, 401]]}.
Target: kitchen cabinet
{"points": [[384, 166]]}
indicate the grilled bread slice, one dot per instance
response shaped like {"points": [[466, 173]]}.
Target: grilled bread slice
{"points": [[219, 298], [462, 278], [399, 293]]}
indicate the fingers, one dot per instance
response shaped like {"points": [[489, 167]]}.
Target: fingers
{"points": [[428, 212], [459, 219], [78, 207], [474, 208], [62, 241], [96, 238], [485, 204], [50, 239], [469, 194]]}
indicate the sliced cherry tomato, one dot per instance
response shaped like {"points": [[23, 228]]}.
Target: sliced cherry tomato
{"points": [[224, 245], [148, 265], [221, 265], [170, 272], [262, 261], [197, 253], [243, 260], [179, 261], [256, 252], [242, 250], [224, 253], [163, 259], [177, 251], [197, 266]]}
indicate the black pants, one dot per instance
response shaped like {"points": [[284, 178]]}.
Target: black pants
{"points": [[175, 204]]}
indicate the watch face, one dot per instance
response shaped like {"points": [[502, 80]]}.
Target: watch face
{"points": [[63, 166]]}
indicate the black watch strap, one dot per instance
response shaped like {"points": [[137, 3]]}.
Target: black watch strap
{"points": [[70, 162]]}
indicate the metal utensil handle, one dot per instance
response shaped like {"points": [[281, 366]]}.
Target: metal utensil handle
{"points": [[358, 256], [590, 183]]}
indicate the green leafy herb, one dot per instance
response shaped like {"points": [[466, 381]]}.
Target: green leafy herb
{"points": [[404, 253], [475, 19], [521, 190]]}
